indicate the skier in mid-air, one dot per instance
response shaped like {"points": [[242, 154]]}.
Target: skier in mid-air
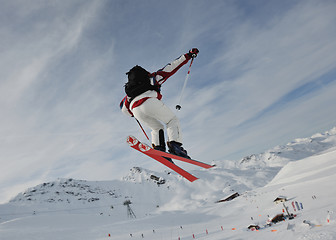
{"points": [[143, 101]]}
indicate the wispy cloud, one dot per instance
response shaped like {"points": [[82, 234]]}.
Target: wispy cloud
{"points": [[261, 72], [45, 116]]}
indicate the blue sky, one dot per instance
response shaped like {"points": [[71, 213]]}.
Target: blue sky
{"points": [[265, 74]]}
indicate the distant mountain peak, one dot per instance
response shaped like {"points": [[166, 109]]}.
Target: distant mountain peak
{"points": [[71, 191], [65, 191], [297, 149]]}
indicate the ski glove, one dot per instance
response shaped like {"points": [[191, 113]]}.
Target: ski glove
{"points": [[193, 52]]}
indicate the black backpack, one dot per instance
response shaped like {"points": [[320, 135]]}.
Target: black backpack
{"points": [[139, 82]]}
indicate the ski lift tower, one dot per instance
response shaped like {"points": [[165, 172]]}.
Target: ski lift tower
{"points": [[130, 212]]}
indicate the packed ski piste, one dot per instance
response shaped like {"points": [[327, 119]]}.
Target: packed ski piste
{"points": [[143, 102]]}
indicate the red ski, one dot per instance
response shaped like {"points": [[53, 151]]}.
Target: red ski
{"points": [[160, 157]]}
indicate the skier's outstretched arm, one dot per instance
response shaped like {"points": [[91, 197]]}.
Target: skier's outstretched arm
{"points": [[171, 68]]}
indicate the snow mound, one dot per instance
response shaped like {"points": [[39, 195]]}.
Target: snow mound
{"points": [[313, 168]]}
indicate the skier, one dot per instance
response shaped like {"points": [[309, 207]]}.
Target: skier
{"points": [[143, 101]]}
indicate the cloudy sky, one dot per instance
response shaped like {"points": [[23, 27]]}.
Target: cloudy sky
{"points": [[265, 74]]}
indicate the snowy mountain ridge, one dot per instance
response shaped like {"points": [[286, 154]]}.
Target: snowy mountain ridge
{"points": [[297, 149], [65, 190]]}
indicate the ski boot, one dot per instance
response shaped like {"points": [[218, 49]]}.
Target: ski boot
{"points": [[162, 149], [162, 146], [177, 149], [159, 147]]}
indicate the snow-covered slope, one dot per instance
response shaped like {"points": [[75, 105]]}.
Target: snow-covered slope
{"points": [[167, 206]]}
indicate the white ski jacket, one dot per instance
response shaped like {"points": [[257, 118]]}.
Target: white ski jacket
{"points": [[160, 77]]}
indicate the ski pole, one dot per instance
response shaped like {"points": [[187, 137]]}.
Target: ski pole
{"points": [[178, 106], [142, 128]]}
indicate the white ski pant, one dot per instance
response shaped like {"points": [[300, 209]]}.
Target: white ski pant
{"points": [[153, 113]]}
